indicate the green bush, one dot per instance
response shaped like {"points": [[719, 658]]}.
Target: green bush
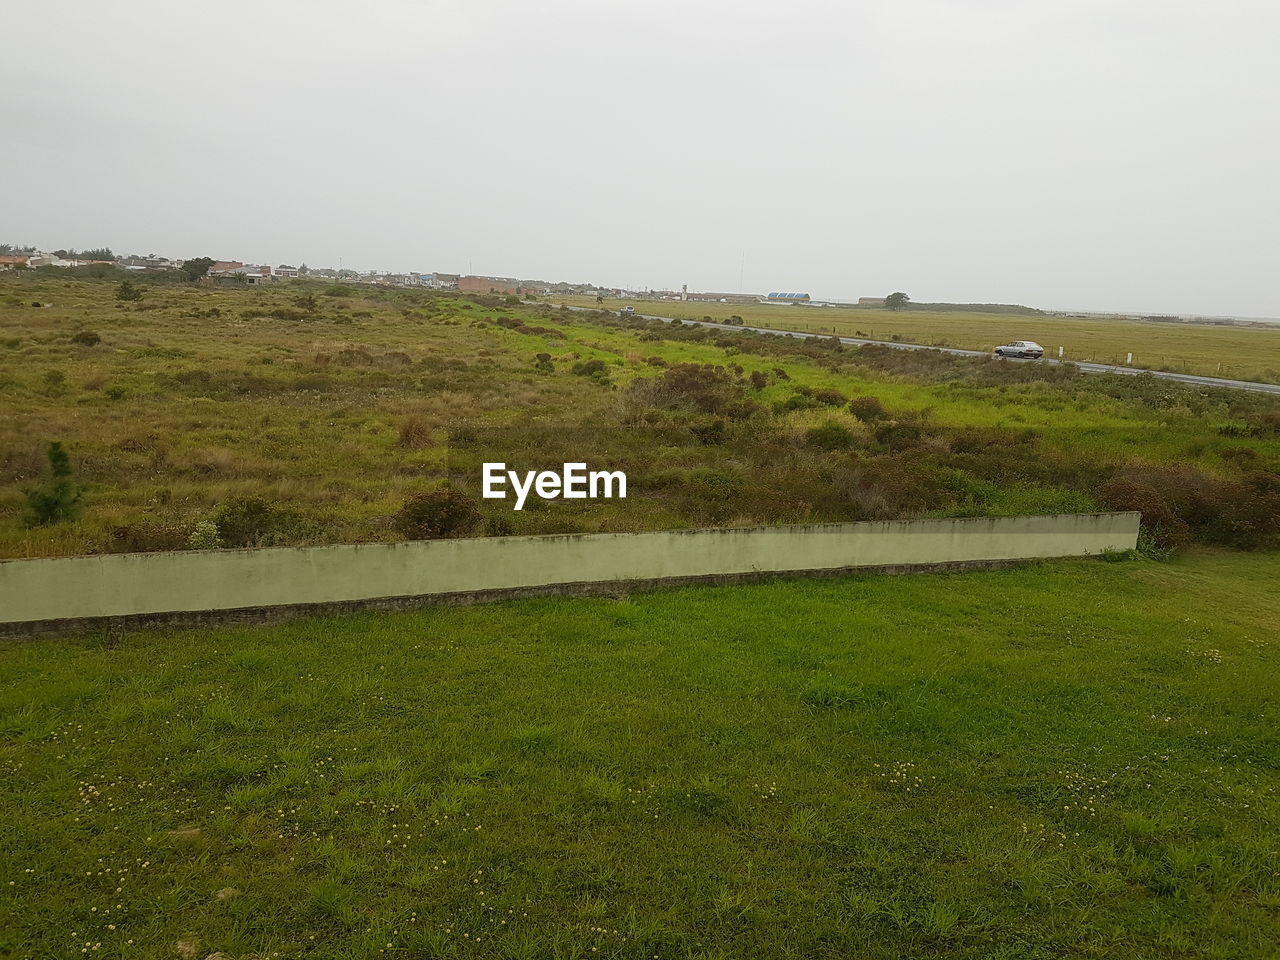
{"points": [[867, 409], [587, 368], [59, 499], [704, 388], [830, 436], [437, 515], [898, 434], [252, 522], [127, 291]]}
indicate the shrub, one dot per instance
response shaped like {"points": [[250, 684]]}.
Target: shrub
{"points": [[437, 515], [759, 379], [86, 338], [127, 291], [867, 409], [251, 522], [204, 536], [830, 436], [1161, 524], [587, 368], [60, 498], [697, 388], [708, 430], [149, 536], [898, 434], [829, 397], [498, 526], [592, 369], [891, 487], [542, 363]]}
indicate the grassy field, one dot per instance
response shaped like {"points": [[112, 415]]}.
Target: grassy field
{"points": [[1242, 353], [1070, 759], [332, 408]]}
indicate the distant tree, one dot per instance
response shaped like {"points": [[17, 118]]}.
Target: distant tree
{"points": [[98, 253], [59, 499], [12, 248], [127, 291], [197, 268], [64, 254], [897, 301], [599, 299]]}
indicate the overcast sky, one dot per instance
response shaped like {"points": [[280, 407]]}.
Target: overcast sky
{"points": [[1088, 154]]}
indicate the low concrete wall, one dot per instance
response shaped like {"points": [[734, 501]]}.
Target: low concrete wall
{"points": [[141, 584]]}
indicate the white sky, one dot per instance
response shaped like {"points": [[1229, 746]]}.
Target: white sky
{"points": [[1087, 154]]}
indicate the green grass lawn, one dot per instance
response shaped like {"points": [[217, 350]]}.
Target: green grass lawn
{"points": [[1076, 758]]}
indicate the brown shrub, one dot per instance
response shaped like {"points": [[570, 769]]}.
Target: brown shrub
{"points": [[867, 409], [695, 387], [1177, 502], [437, 515], [354, 356], [150, 536], [1159, 518]]}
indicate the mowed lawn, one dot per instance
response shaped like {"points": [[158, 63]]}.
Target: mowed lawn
{"points": [[1077, 758]]}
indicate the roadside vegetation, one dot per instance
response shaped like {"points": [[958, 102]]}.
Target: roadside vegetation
{"points": [[193, 416], [1075, 758], [1234, 352]]}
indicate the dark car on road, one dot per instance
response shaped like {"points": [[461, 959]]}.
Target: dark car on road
{"points": [[1024, 349]]}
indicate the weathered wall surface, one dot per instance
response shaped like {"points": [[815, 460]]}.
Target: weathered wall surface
{"points": [[125, 585]]}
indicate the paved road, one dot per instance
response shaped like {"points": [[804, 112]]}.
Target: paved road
{"points": [[1187, 378]]}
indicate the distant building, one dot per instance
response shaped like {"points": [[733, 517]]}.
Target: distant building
{"points": [[871, 301], [488, 285], [445, 281], [284, 270], [13, 261], [722, 297], [233, 271], [787, 298], [151, 262]]}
